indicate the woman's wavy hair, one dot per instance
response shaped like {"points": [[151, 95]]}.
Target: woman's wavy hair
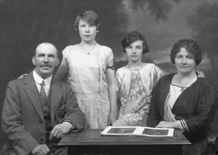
{"points": [[132, 37], [90, 17], [191, 46]]}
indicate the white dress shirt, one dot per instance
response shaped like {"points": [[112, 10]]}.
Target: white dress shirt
{"points": [[38, 81]]}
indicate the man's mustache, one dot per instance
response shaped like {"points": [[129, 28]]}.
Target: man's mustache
{"points": [[45, 66]]}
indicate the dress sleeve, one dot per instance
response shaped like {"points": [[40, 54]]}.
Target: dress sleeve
{"points": [[158, 73], [110, 54], [203, 116], [65, 54]]}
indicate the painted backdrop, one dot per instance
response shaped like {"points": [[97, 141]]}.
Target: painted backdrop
{"points": [[26, 23]]}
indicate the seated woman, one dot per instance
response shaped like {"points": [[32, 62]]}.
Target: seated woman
{"points": [[135, 82], [182, 100]]}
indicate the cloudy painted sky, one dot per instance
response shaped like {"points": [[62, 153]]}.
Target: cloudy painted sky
{"points": [[163, 31], [25, 23]]}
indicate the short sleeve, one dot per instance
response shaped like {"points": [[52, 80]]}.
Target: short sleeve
{"points": [[110, 54], [158, 73], [66, 53]]}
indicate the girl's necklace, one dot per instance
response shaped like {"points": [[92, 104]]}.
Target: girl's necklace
{"points": [[88, 51]]}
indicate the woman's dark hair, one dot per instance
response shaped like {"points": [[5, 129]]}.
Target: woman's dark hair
{"points": [[89, 16], [191, 46], [132, 37]]}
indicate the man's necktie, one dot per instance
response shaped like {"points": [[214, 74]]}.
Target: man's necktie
{"points": [[42, 90]]}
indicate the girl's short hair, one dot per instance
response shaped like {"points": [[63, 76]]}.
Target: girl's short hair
{"points": [[132, 37], [89, 16], [191, 46]]}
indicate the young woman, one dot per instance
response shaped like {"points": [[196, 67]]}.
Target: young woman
{"points": [[183, 100], [135, 82], [90, 70]]}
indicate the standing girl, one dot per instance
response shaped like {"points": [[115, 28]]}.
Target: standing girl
{"points": [[89, 69]]}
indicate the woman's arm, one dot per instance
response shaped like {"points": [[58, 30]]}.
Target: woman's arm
{"points": [[207, 98], [112, 92]]}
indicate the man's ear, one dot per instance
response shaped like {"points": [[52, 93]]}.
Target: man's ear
{"points": [[34, 60]]}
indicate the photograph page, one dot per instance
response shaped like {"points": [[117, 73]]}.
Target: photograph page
{"points": [[154, 132], [119, 130], [138, 131]]}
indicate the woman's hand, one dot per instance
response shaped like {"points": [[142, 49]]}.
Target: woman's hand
{"points": [[22, 76], [112, 119], [200, 74], [165, 124]]}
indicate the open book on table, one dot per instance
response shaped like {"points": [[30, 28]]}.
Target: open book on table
{"points": [[138, 131]]}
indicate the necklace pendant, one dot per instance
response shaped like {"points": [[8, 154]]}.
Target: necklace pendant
{"points": [[88, 50]]}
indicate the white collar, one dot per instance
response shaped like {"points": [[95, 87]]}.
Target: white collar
{"points": [[39, 80]]}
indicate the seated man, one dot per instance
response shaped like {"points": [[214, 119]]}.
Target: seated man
{"points": [[39, 110]]}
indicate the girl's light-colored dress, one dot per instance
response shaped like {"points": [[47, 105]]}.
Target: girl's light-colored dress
{"points": [[87, 77], [134, 88]]}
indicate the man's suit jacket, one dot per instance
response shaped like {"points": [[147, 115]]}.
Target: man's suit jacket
{"points": [[22, 116]]}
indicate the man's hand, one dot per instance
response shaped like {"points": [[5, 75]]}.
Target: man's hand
{"points": [[60, 130], [41, 150]]}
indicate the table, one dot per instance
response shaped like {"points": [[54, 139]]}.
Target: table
{"points": [[92, 142]]}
